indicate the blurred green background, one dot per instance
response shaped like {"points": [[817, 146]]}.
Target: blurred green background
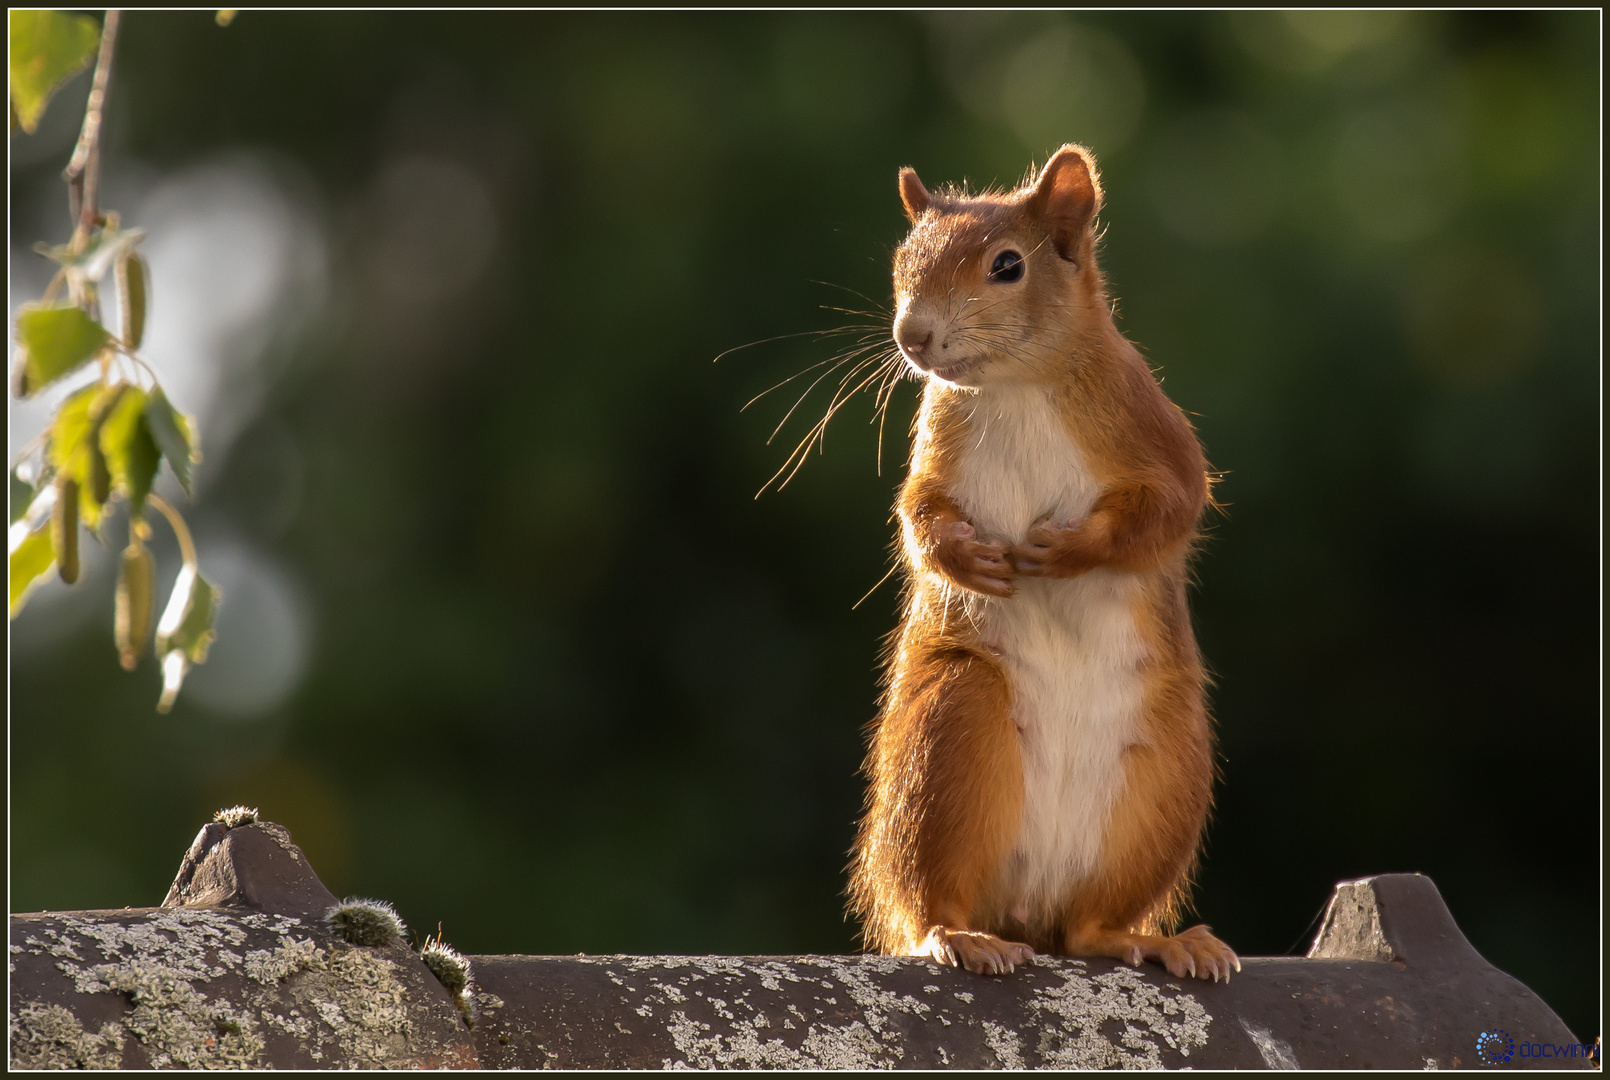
{"points": [[507, 638]]}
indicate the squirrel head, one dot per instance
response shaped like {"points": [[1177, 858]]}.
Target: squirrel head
{"points": [[990, 288]]}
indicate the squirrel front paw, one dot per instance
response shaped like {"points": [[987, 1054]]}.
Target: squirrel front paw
{"points": [[980, 953], [1045, 548], [972, 563]]}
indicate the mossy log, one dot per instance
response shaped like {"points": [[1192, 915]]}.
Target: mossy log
{"points": [[240, 968]]}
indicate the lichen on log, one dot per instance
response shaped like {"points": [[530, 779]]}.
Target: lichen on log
{"points": [[242, 968]]}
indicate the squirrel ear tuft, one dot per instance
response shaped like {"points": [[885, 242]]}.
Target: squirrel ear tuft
{"points": [[1067, 194], [913, 194]]}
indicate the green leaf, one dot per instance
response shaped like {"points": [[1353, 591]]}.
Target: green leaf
{"points": [[75, 445], [171, 430], [110, 248], [47, 49], [22, 496], [131, 453], [175, 666], [32, 557], [72, 424], [185, 633], [186, 624], [56, 341], [107, 247]]}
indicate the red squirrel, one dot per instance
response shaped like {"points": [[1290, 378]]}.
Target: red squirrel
{"points": [[1042, 766]]}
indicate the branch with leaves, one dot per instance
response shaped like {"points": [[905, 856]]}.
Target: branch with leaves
{"points": [[107, 440]]}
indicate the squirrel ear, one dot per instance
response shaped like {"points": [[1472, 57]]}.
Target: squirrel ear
{"points": [[1067, 194], [913, 194]]}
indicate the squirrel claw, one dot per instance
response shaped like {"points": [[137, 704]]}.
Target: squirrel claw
{"points": [[974, 564], [992, 586], [1194, 953], [980, 953], [1045, 541]]}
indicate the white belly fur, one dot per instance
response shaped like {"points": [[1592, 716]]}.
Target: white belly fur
{"points": [[1070, 646]]}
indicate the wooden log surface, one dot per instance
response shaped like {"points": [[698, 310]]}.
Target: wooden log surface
{"points": [[238, 968]]}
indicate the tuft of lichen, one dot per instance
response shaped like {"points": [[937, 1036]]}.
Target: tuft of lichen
{"points": [[338, 1003], [450, 966], [365, 922], [49, 1037], [235, 816], [452, 970], [178, 1024]]}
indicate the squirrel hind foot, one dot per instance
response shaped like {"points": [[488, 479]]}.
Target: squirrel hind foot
{"points": [[980, 953], [1193, 953]]}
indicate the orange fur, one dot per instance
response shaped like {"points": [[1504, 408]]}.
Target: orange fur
{"points": [[946, 765]]}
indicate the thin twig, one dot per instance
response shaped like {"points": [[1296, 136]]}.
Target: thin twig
{"points": [[187, 547], [83, 172]]}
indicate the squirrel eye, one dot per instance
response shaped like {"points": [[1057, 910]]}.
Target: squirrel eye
{"points": [[1008, 267]]}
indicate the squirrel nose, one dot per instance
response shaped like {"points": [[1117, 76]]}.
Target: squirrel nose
{"points": [[912, 334]]}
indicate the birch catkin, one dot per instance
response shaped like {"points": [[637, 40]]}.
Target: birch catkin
{"points": [[135, 581]]}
